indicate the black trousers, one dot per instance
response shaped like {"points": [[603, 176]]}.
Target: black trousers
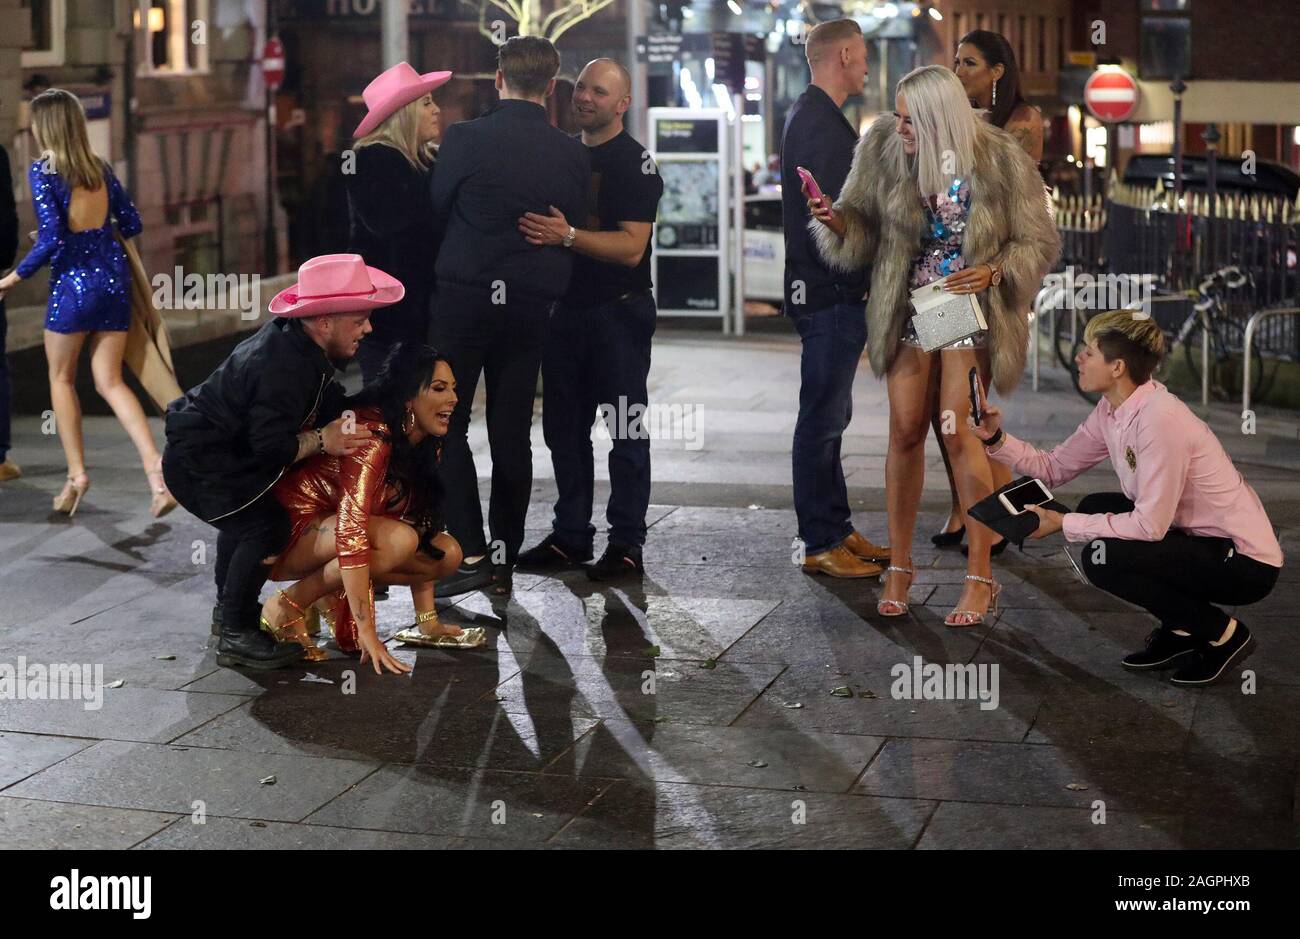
{"points": [[244, 539], [1179, 578], [599, 358], [503, 342]]}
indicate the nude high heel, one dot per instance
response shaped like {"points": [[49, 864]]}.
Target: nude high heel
{"points": [[163, 501], [70, 496], [976, 619], [894, 607]]}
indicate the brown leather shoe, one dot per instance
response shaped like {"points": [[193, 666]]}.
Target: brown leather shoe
{"points": [[9, 470], [861, 547], [840, 562]]}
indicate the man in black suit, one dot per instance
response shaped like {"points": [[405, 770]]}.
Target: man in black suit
{"points": [[496, 293], [8, 250]]}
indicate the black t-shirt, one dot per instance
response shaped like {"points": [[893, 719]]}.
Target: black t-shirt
{"points": [[625, 187]]}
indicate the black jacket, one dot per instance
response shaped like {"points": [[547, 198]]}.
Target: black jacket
{"points": [[8, 215], [819, 138], [236, 433], [490, 172], [391, 226]]}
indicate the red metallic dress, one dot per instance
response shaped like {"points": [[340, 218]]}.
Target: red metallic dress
{"points": [[353, 488]]}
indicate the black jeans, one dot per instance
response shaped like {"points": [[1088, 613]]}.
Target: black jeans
{"points": [[503, 342], [1179, 578], [244, 539], [833, 339], [599, 358]]}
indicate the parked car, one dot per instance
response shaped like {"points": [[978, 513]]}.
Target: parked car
{"points": [[764, 248]]}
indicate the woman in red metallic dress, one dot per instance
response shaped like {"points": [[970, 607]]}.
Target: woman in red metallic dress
{"points": [[373, 517]]}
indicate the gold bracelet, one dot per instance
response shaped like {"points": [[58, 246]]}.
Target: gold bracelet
{"points": [[426, 617]]}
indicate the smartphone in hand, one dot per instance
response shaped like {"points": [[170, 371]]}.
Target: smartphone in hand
{"points": [[975, 396], [814, 190]]}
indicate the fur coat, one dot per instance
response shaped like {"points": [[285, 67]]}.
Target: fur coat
{"points": [[885, 220]]}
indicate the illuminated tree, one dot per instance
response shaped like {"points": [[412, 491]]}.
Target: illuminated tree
{"points": [[548, 18]]}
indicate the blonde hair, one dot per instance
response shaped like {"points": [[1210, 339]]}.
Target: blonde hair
{"points": [[401, 131], [944, 123], [827, 36], [59, 123], [1129, 335]]}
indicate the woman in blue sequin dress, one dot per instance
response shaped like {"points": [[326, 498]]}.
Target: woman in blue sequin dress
{"points": [[78, 200]]}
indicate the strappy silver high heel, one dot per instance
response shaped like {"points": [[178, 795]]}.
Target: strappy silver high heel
{"points": [[895, 607], [976, 618]]}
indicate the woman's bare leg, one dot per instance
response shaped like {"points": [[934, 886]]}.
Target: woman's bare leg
{"points": [[61, 353], [971, 468], [908, 384], [106, 352], [955, 517], [1001, 472]]}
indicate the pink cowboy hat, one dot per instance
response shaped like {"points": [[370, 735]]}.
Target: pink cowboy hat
{"points": [[393, 89], [336, 283]]}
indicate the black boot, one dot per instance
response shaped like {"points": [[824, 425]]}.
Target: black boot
{"points": [[243, 644]]}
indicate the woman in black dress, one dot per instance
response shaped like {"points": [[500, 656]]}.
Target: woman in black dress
{"points": [[391, 223]]}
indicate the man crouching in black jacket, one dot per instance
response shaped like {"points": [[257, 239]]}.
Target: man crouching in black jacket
{"points": [[273, 402]]}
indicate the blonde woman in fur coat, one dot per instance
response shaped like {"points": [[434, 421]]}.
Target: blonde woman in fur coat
{"points": [[934, 191]]}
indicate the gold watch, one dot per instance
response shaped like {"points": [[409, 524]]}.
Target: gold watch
{"points": [[995, 274]]}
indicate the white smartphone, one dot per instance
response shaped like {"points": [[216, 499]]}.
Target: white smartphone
{"points": [[1030, 493]]}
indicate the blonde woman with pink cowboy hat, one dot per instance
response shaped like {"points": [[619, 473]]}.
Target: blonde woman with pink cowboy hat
{"points": [[390, 219], [271, 404]]}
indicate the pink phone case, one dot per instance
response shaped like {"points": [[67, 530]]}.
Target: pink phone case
{"points": [[813, 189]]}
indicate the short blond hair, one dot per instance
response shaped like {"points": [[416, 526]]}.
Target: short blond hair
{"points": [[827, 36], [1130, 335]]}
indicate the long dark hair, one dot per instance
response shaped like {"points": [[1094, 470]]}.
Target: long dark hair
{"points": [[997, 51], [412, 470]]}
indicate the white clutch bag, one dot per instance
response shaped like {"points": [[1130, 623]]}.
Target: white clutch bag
{"points": [[942, 317]]}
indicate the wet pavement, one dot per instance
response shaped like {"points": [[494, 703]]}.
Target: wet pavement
{"points": [[727, 701]]}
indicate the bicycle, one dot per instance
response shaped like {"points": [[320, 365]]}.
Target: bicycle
{"points": [[1226, 334]]}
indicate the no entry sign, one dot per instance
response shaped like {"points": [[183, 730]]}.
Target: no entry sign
{"points": [[1111, 95], [273, 62]]}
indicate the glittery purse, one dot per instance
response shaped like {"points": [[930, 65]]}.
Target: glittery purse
{"points": [[943, 318]]}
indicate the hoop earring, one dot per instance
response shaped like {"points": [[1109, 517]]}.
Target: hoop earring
{"points": [[408, 422], [995, 95]]}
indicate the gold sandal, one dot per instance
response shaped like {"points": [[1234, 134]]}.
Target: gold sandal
{"points": [[469, 638], [285, 633], [976, 618]]}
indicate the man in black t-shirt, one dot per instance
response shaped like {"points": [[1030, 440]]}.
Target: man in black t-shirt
{"points": [[598, 349]]}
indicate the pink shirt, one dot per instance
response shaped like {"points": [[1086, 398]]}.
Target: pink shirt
{"points": [[1168, 462]]}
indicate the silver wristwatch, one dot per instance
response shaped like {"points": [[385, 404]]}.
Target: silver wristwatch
{"points": [[569, 237]]}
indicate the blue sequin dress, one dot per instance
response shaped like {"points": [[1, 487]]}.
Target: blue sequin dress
{"points": [[90, 281], [940, 253]]}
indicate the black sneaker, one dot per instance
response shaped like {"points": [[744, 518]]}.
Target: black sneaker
{"points": [[1164, 650], [468, 577], [1212, 661], [216, 619], [619, 560], [255, 650], [550, 555]]}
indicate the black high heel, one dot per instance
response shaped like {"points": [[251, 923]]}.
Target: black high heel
{"points": [[993, 551], [946, 539]]}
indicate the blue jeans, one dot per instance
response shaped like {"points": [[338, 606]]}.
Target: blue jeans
{"points": [[833, 339], [4, 387]]}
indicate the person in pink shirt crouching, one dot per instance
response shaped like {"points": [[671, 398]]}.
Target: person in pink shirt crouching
{"points": [[1186, 533]]}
